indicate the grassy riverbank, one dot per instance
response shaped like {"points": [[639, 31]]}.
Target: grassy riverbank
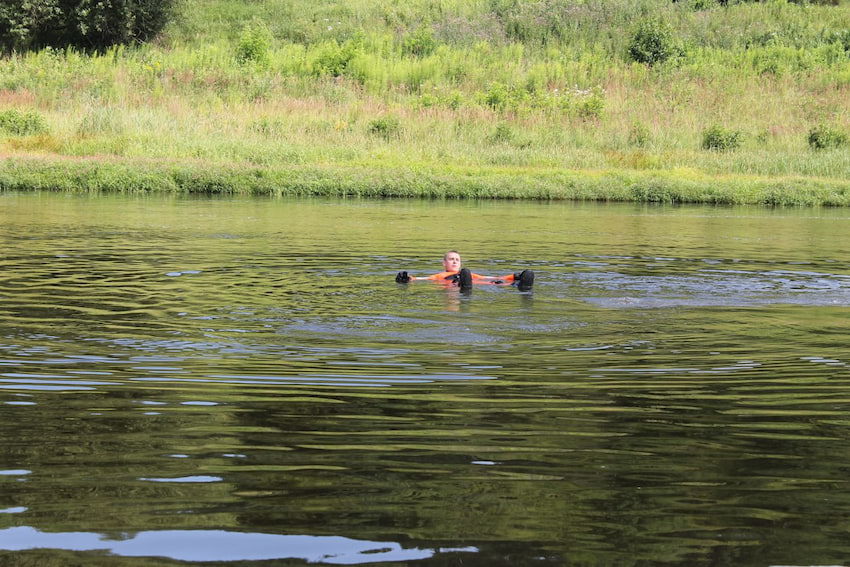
{"points": [[676, 186], [495, 98]]}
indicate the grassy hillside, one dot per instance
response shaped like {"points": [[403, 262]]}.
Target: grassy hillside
{"points": [[753, 99]]}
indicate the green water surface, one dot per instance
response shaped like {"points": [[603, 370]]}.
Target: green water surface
{"points": [[241, 382]]}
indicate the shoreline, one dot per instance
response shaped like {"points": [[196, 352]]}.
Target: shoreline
{"points": [[25, 173]]}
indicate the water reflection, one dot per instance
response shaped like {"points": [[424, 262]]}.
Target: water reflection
{"points": [[220, 545], [200, 372]]}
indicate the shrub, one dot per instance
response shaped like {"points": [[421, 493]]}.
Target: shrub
{"points": [[823, 137], [592, 105], [653, 43], [427, 100], [842, 38], [386, 127], [454, 100], [497, 96], [87, 24], [22, 123], [420, 43], [721, 139], [333, 58], [254, 44], [506, 98]]}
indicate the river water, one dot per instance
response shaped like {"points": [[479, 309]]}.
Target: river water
{"points": [[187, 381]]}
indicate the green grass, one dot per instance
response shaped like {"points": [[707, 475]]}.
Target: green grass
{"points": [[495, 98], [119, 176]]}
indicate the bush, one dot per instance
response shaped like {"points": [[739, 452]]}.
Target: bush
{"points": [[592, 105], [454, 100], [497, 96], [420, 43], [333, 58], [254, 44], [386, 127], [823, 137], [87, 24], [653, 43], [721, 139], [506, 98], [26, 123], [427, 100], [842, 38]]}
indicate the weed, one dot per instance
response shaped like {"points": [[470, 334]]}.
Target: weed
{"points": [[428, 100], [101, 121], [454, 99], [591, 105], [721, 139], [639, 134], [503, 133], [498, 96], [699, 5], [842, 38], [333, 59], [639, 159], [385, 127], [653, 191], [259, 88], [40, 142], [824, 137], [254, 44], [420, 43], [22, 123], [290, 177], [535, 67], [266, 126]]}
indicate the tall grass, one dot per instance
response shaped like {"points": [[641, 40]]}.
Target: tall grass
{"points": [[495, 84]]}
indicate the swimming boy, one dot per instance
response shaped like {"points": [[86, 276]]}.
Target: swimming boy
{"points": [[456, 274]]}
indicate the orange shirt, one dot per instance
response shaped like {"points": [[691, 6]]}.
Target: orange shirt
{"points": [[450, 275]]}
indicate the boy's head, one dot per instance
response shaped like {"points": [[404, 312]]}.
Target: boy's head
{"points": [[451, 261]]}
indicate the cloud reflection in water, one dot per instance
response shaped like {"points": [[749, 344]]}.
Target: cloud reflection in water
{"points": [[221, 545]]}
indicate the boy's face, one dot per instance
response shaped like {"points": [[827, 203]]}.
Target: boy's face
{"points": [[451, 262]]}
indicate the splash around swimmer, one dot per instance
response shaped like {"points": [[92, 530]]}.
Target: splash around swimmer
{"points": [[455, 274]]}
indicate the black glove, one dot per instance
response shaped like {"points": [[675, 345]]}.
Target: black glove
{"points": [[402, 277]]}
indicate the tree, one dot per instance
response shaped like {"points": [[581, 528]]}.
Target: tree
{"points": [[86, 24]]}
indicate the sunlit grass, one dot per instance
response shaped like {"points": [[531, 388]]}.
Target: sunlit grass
{"points": [[490, 98]]}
